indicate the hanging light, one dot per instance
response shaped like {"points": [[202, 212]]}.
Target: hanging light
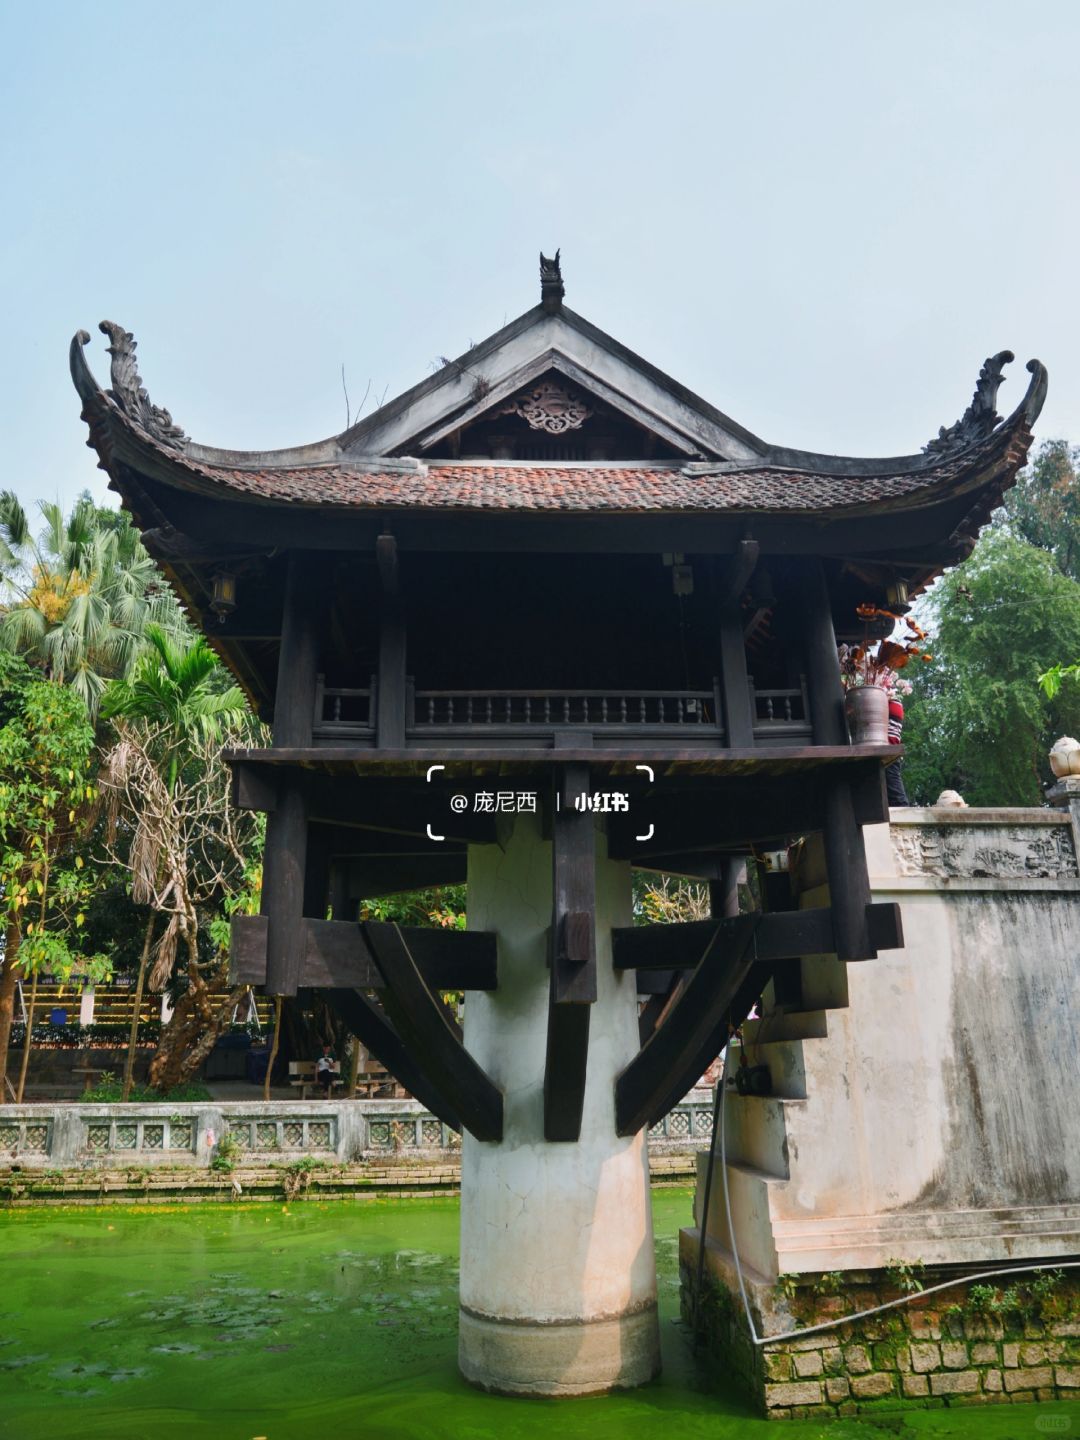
{"points": [[897, 594], [223, 600]]}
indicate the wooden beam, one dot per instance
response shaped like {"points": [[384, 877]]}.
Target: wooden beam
{"points": [[298, 658], [782, 935], [335, 955], [366, 1020], [680, 1049], [565, 1070], [428, 1030], [573, 917]]}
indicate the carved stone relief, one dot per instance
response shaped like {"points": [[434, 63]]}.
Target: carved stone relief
{"points": [[1005, 852]]}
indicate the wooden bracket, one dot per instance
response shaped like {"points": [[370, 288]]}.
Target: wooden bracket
{"points": [[428, 1029], [366, 1020], [693, 1033]]}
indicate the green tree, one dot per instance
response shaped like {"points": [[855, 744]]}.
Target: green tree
{"points": [[978, 721], [1043, 507], [47, 796], [80, 595], [174, 706]]}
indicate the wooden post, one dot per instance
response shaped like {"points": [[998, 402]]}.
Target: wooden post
{"points": [[845, 856], [391, 692], [734, 680], [285, 856], [826, 694], [849, 881]]}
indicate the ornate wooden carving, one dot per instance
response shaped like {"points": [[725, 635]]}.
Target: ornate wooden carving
{"points": [[550, 407], [129, 393], [981, 415]]}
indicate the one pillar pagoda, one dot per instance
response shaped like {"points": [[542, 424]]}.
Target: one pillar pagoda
{"points": [[544, 618]]}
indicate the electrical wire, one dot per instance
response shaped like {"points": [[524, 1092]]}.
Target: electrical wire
{"points": [[761, 1340]]}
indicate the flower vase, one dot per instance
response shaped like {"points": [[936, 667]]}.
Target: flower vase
{"points": [[867, 711]]}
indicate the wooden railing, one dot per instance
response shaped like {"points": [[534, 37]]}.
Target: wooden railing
{"points": [[342, 711], [547, 708], [345, 712], [774, 708]]}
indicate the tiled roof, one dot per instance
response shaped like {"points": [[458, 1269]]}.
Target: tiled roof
{"points": [[580, 489]]}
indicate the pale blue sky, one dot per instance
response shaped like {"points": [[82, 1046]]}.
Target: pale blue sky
{"points": [[821, 216]]}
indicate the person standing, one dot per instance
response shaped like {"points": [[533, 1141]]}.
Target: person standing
{"points": [[894, 774]]}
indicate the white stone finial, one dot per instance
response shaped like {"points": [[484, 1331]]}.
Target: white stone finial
{"points": [[1065, 757], [950, 800]]}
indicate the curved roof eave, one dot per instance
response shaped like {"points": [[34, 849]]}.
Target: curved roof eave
{"points": [[149, 436]]}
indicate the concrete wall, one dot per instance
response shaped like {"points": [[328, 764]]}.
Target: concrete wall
{"points": [[924, 1104], [75, 1136]]}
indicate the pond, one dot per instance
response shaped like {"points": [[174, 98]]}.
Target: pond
{"points": [[301, 1321]]}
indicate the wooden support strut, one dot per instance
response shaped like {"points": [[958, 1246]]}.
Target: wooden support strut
{"points": [[679, 1050], [428, 1029], [366, 1020]]}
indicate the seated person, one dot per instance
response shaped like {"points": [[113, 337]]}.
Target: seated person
{"points": [[327, 1070]]}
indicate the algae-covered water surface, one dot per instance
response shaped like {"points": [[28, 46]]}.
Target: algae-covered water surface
{"points": [[308, 1320]]}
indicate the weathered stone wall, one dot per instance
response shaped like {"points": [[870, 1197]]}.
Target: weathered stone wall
{"points": [[923, 1105], [1016, 1341]]}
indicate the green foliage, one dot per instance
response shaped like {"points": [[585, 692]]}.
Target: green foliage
{"points": [[830, 1283], [788, 1286], [79, 595], [109, 1091], [175, 687], [226, 1156], [442, 906], [1043, 507], [46, 792], [905, 1275], [977, 721]]}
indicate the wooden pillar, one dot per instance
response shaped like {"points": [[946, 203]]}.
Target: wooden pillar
{"points": [[391, 693], [285, 856], [734, 680], [845, 855], [826, 693], [572, 958]]}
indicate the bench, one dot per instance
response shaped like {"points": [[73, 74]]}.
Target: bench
{"points": [[302, 1074]]}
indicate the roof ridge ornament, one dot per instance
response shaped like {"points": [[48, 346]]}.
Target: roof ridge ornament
{"points": [[552, 289], [979, 419], [130, 394]]}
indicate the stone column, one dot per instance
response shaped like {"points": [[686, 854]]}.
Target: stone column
{"points": [[558, 1277]]}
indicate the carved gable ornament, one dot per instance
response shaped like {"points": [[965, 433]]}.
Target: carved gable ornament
{"points": [[550, 407]]}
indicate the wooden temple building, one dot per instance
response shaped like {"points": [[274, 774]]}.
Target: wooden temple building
{"points": [[548, 570], [548, 565]]}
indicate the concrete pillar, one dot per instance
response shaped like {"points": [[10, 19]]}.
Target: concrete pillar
{"points": [[86, 1005], [558, 1277]]}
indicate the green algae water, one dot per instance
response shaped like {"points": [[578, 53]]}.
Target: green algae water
{"points": [[309, 1321]]}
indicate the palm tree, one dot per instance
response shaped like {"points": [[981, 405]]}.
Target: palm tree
{"points": [[81, 594], [173, 687]]}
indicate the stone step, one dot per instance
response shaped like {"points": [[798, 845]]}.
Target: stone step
{"points": [[757, 1132]]}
